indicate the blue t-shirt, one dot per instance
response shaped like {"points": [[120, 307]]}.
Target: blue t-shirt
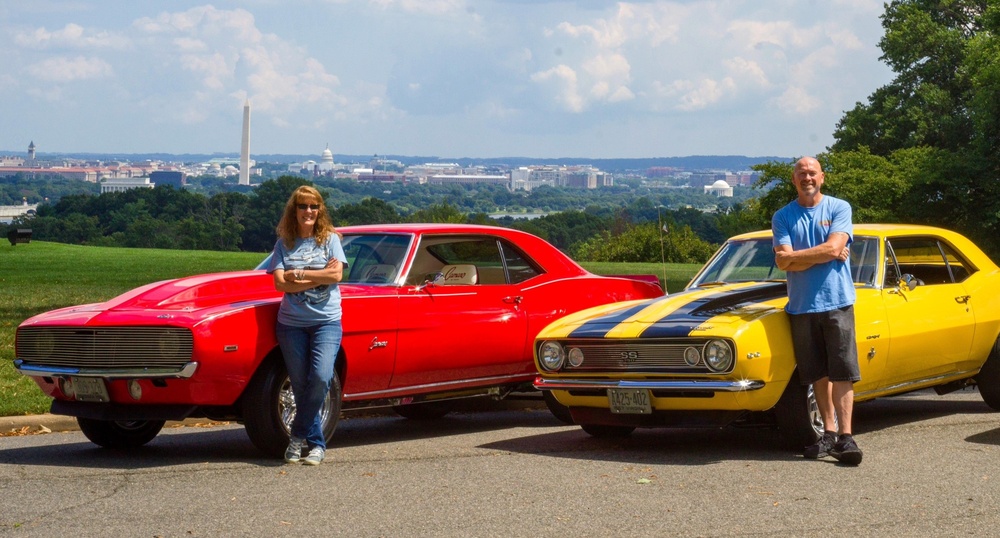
{"points": [[825, 286], [317, 305]]}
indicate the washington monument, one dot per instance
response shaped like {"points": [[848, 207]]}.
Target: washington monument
{"points": [[245, 146]]}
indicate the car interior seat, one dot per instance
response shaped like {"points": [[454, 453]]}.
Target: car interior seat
{"points": [[463, 274]]}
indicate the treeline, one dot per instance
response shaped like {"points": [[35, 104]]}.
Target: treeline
{"points": [[639, 230]]}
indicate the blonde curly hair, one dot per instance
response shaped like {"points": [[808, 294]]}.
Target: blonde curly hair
{"points": [[288, 226]]}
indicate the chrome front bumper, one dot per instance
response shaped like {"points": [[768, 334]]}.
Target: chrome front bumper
{"points": [[661, 386], [184, 372]]}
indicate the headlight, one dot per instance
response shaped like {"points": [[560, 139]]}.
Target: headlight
{"points": [[718, 356], [575, 357], [551, 355]]}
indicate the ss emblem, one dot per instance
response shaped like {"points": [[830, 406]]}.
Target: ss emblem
{"points": [[629, 356]]}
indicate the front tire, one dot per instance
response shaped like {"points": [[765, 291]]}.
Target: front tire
{"points": [[559, 410], [269, 407], [988, 379], [797, 415], [119, 434]]}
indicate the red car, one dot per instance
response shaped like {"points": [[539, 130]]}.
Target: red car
{"points": [[432, 313]]}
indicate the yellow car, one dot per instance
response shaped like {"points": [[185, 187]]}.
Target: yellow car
{"points": [[720, 352]]}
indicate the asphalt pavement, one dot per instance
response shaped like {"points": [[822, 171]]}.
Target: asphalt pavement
{"points": [[930, 469]]}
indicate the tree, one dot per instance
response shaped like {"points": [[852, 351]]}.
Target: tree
{"points": [[645, 243], [368, 211], [936, 122]]}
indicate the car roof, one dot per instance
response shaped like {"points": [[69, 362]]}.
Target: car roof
{"points": [[428, 227], [880, 229]]}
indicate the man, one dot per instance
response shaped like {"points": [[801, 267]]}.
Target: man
{"points": [[812, 235]]}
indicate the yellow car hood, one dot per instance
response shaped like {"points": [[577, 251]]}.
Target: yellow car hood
{"points": [[675, 315]]}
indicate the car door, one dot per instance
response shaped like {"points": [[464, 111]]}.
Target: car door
{"points": [[932, 325], [459, 318], [870, 318]]}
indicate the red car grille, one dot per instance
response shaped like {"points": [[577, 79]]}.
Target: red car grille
{"points": [[105, 347]]}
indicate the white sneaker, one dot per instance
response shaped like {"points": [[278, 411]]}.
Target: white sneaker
{"points": [[293, 454], [316, 455]]}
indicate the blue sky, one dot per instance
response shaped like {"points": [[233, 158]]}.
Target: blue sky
{"points": [[448, 78]]}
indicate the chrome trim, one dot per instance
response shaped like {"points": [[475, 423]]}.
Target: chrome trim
{"points": [[668, 386], [919, 384], [443, 386], [184, 372]]}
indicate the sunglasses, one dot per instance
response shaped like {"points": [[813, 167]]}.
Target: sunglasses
{"points": [[303, 207]]}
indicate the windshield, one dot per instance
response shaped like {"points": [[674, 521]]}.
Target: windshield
{"points": [[753, 260], [371, 258], [741, 261]]}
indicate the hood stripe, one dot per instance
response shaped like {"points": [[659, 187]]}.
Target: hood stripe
{"points": [[687, 318], [597, 327], [682, 320]]}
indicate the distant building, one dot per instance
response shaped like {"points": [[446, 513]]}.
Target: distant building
{"points": [[719, 188], [175, 179], [10, 212], [124, 184], [467, 179]]}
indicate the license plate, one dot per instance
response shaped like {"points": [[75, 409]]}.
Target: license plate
{"points": [[629, 401], [90, 389]]}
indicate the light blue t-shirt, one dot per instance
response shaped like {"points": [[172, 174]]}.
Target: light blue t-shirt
{"points": [[822, 287], [317, 305]]}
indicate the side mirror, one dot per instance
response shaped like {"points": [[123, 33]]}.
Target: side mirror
{"points": [[910, 281], [432, 279]]}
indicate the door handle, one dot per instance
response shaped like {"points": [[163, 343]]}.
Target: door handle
{"points": [[513, 299]]}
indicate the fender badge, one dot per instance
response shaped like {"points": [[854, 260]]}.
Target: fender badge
{"points": [[377, 343]]}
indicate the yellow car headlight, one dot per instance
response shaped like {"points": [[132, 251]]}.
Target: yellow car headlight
{"points": [[718, 356], [551, 355]]}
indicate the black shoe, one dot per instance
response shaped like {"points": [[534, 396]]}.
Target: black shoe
{"points": [[846, 451], [821, 448]]}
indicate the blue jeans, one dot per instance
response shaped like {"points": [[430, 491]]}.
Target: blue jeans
{"points": [[310, 354]]}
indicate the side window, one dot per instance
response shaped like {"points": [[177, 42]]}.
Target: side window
{"points": [[457, 261], [927, 259], [519, 266], [864, 260]]}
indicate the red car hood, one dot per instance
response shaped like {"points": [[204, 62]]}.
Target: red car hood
{"points": [[169, 301]]}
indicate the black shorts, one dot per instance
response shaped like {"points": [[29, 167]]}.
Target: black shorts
{"points": [[825, 345]]}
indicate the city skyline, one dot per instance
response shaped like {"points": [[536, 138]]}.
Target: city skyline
{"points": [[450, 78]]}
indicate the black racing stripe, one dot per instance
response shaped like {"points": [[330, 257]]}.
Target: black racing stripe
{"points": [[598, 327], [683, 320]]}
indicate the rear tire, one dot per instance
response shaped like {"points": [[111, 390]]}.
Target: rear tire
{"points": [[269, 407], [988, 379], [603, 431], [119, 434], [797, 415]]}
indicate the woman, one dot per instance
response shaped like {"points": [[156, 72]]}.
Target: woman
{"points": [[307, 263]]}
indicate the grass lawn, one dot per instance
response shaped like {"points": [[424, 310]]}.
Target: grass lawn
{"points": [[40, 276]]}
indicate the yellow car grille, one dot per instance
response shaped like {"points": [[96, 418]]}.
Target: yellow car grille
{"points": [[638, 356]]}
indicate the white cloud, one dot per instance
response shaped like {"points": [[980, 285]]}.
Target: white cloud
{"points": [[796, 100], [71, 36], [562, 82], [63, 69], [436, 7]]}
